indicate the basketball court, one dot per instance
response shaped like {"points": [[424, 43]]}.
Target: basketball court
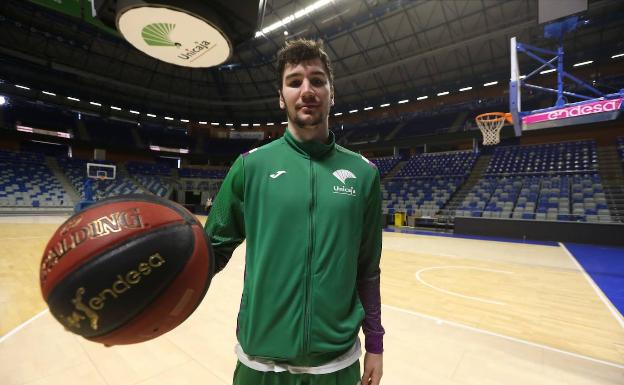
{"points": [[456, 311]]}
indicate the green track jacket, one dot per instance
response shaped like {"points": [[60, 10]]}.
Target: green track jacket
{"points": [[310, 213]]}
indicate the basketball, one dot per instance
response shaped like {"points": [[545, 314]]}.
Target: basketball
{"points": [[126, 269]]}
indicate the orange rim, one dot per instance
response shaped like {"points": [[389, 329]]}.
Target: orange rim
{"points": [[494, 117]]}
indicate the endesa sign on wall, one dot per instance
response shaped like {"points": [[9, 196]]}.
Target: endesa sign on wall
{"points": [[574, 111]]}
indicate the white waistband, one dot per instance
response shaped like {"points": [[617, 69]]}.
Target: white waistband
{"points": [[263, 365]]}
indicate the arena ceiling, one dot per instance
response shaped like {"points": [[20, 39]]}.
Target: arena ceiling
{"points": [[383, 51]]}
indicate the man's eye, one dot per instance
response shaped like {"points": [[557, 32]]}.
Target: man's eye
{"points": [[294, 83], [318, 82]]}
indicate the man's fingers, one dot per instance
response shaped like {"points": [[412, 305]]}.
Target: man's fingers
{"points": [[376, 377], [366, 376]]}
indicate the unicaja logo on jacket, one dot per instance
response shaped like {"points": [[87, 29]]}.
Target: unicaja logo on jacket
{"points": [[342, 176]]}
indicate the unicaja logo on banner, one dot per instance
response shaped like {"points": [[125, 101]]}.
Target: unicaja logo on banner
{"points": [[175, 37]]}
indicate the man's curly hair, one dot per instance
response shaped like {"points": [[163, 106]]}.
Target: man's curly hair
{"points": [[299, 50]]}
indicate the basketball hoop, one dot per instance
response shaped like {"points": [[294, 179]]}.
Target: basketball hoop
{"points": [[491, 124]]}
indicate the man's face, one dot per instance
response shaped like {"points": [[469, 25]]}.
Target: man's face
{"points": [[306, 94]]}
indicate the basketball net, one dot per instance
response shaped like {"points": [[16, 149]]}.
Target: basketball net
{"points": [[490, 125]]}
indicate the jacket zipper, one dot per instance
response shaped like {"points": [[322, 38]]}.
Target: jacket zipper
{"points": [[308, 267]]}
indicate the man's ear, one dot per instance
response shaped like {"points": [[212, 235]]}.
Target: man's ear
{"points": [[282, 104]]}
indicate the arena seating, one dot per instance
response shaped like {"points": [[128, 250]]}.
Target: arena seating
{"points": [[152, 176], [26, 181], [557, 181], [418, 196], [426, 182], [434, 164], [577, 156], [385, 164]]}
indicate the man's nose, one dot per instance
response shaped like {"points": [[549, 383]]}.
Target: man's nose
{"points": [[306, 88]]}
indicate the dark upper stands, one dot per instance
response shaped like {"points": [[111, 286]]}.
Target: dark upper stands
{"points": [[434, 164], [39, 115]]}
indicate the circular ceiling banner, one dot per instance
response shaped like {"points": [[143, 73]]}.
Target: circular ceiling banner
{"points": [[174, 36]]}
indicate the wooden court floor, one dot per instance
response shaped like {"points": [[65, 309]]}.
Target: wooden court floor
{"points": [[456, 311]]}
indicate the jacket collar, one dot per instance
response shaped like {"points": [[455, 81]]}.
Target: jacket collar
{"points": [[311, 148]]}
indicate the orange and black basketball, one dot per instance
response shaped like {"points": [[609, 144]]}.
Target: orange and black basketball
{"points": [[126, 269]]}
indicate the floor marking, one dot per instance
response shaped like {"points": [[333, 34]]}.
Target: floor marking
{"points": [[482, 331], [20, 327], [599, 292], [419, 278]]}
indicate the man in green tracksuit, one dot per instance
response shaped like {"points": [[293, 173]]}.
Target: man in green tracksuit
{"points": [[310, 212]]}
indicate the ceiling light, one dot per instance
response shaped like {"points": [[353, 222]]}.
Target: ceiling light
{"points": [[289, 19], [134, 112], [583, 63], [403, 101], [48, 93], [443, 93], [422, 97], [2, 100], [270, 124], [284, 122], [465, 89], [151, 115], [115, 108], [22, 87], [384, 105], [490, 84], [617, 55], [96, 104], [368, 108], [229, 124], [214, 124], [353, 111], [338, 114], [256, 124], [72, 98], [184, 120], [202, 122], [168, 118], [244, 124], [548, 71]]}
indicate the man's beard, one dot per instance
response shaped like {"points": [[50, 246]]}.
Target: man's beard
{"points": [[300, 123]]}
